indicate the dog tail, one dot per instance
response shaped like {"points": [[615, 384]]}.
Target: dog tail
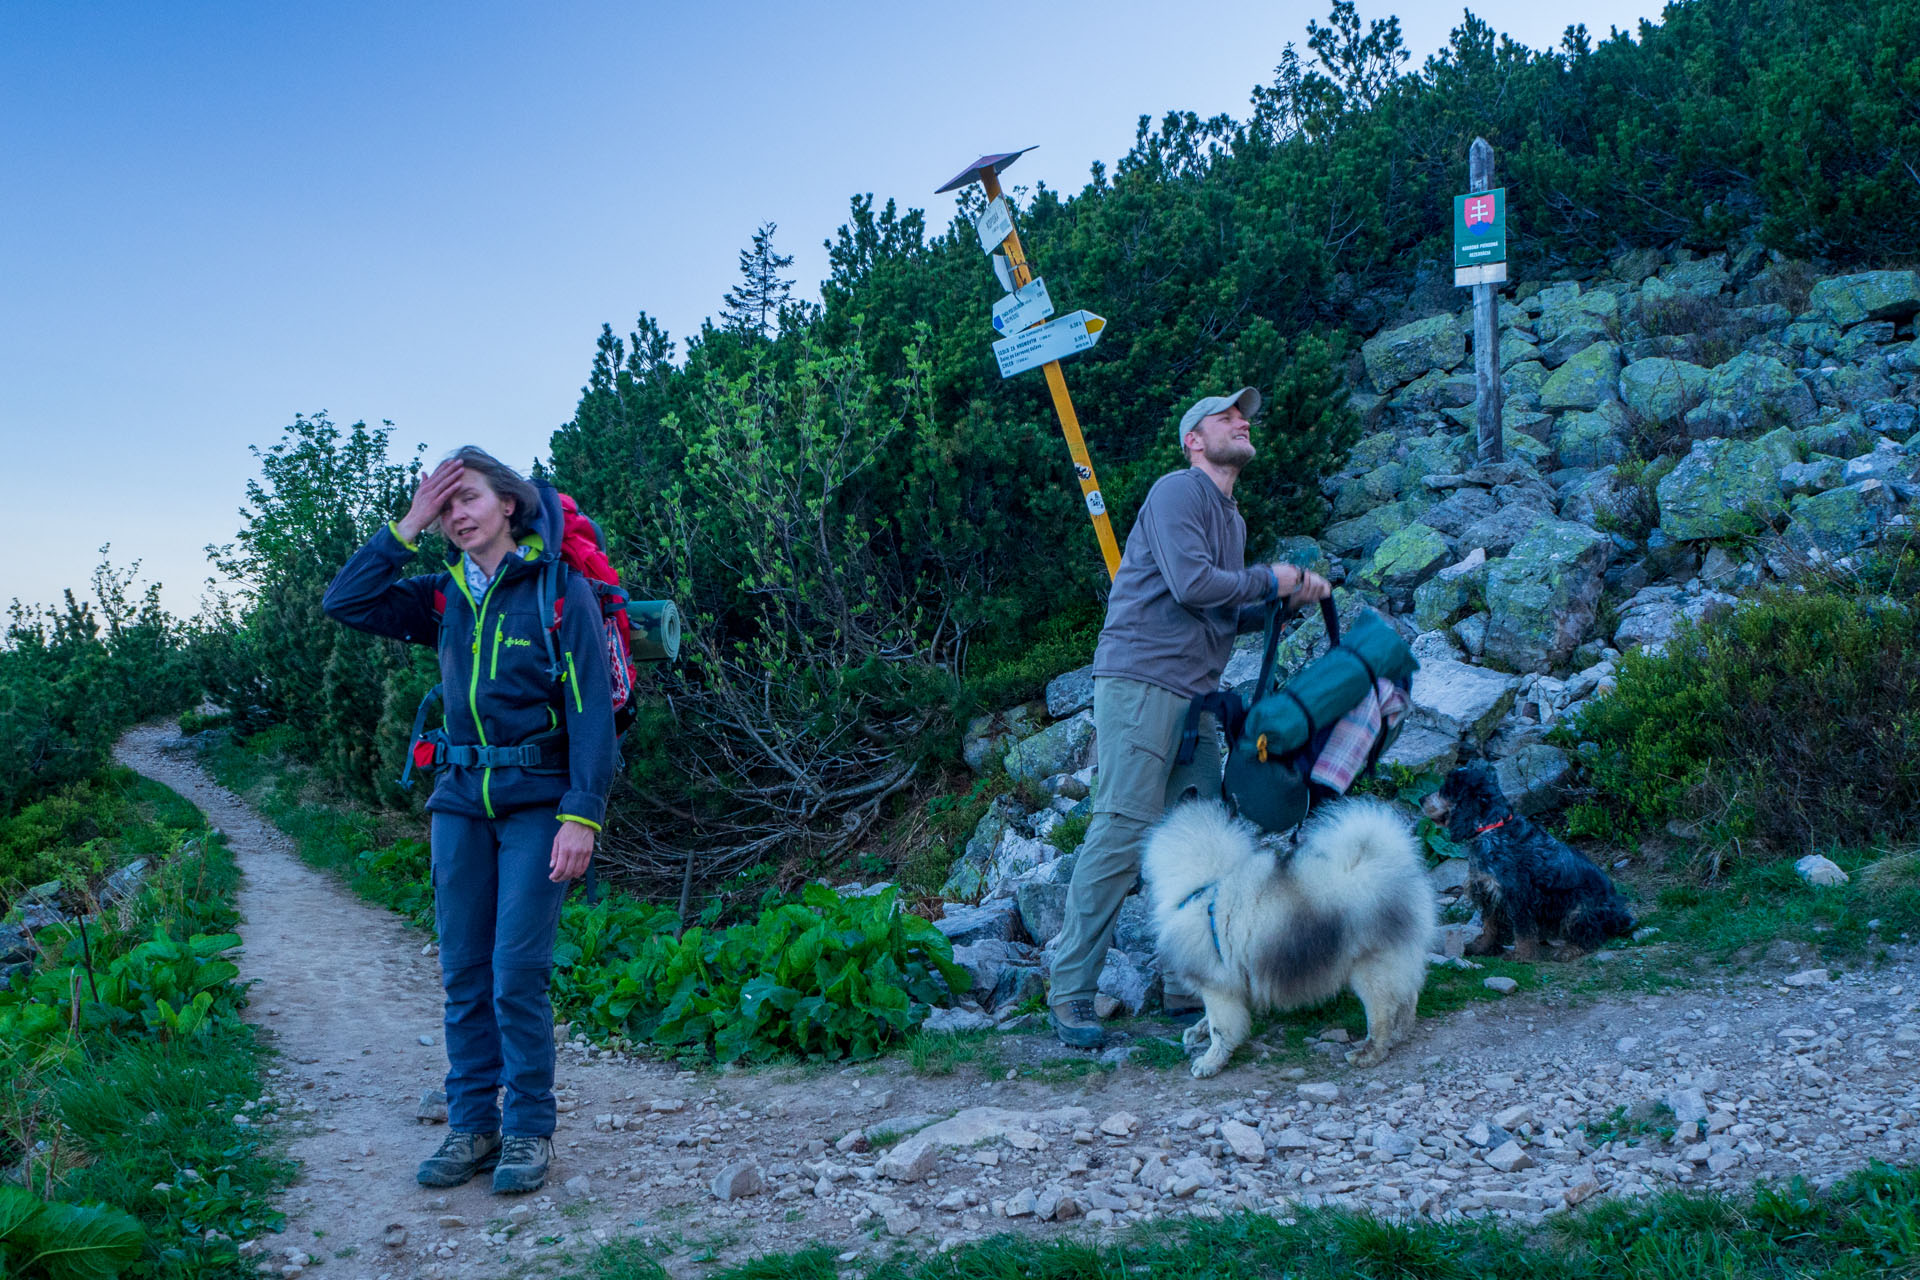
{"points": [[1360, 846], [1198, 844]]}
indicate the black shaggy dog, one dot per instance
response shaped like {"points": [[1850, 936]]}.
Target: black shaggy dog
{"points": [[1528, 885]]}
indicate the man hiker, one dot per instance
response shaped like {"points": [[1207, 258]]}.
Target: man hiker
{"points": [[529, 756], [1183, 592]]}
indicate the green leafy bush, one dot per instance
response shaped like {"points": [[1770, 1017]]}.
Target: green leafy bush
{"points": [[826, 977], [1790, 723], [40, 1240]]}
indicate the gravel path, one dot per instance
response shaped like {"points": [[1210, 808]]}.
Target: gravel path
{"points": [[1492, 1112]]}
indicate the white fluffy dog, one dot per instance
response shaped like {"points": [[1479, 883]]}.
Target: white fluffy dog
{"points": [[1250, 930]]}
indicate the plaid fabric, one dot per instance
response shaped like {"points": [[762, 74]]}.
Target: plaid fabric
{"points": [[1351, 740]]}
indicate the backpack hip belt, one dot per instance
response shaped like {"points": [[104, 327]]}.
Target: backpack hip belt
{"points": [[545, 752]]}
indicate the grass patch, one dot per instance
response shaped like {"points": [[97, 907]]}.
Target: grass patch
{"points": [[134, 1111], [1866, 1226]]}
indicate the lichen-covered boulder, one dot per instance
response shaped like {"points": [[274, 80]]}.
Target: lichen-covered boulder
{"points": [[1542, 596], [1453, 591], [1522, 381], [1838, 522], [1750, 394], [1843, 437], [1662, 389], [1432, 456], [1058, 748], [1781, 447], [1404, 560], [1435, 389], [1373, 451], [1585, 381], [1364, 492], [1722, 488], [1363, 534], [1531, 777], [1867, 295], [1459, 509], [1398, 356], [1816, 475], [987, 735], [1302, 550], [1596, 438], [1499, 532], [1846, 386]]}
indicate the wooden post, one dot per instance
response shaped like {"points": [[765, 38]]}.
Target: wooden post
{"points": [[1063, 405], [1487, 395]]}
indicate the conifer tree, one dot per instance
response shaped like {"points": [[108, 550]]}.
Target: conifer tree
{"points": [[754, 308]]}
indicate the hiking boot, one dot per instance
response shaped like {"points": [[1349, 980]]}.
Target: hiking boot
{"points": [[523, 1165], [460, 1157], [1077, 1025]]}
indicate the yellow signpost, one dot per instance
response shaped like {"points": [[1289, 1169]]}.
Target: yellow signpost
{"points": [[985, 171]]}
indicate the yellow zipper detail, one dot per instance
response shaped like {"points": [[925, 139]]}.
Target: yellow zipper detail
{"points": [[573, 680], [499, 624], [473, 679]]}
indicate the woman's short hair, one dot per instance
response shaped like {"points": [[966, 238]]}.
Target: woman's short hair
{"points": [[506, 483]]}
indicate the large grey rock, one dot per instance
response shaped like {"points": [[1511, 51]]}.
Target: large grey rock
{"points": [[1499, 532], [1301, 550], [990, 921], [1127, 981], [1661, 390], [1363, 534], [1839, 522], [1542, 596], [972, 872], [1585, 381], [1019, 857], [1591, 439], [1422, 750], [953, 1021], [1846, 386], [1531, 777], [988, 735], [985, 961], [1868, 295], [1459, 701], [1452, 514], [1722, 488], [1816, 475], [1844, 436], [738, 1180], [1071, 692], [1364, 492], [1042, 908], [1059, 748], [1133, 931], [1400, 355], [1457, 589], [1750, 394], [1405, 559]]}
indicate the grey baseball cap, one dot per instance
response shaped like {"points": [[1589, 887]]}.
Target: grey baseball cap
{"points": [[1246, 397]]}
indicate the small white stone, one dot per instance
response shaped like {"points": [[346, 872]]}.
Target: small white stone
{"points": [[1505, 986], [1120, 1124], [1806, 978], [1509, 1158]]}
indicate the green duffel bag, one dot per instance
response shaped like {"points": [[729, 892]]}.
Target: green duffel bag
{"points": [[1275, 741]]}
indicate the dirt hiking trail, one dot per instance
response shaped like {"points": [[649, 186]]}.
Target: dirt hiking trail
{"points": [[1509, 1109]]}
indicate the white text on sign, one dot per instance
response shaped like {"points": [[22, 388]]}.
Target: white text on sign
{"points": [[1024, 307], [995, 225], [1043, 344]]}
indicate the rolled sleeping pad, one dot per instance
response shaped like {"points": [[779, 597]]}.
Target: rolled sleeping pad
{"points": [[656, 630]]}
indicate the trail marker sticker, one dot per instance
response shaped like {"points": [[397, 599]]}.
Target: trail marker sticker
{"points": [[1024, 307], [995, 225], [1043, 344]]}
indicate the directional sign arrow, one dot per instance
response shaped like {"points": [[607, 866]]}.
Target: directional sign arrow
{"points": [[1023, 308], [1043, 344]]}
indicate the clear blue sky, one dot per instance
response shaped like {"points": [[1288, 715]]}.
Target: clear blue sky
{"points": [[216, 216]]}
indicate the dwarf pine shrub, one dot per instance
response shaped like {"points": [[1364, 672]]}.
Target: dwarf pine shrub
{"points": [[1789, 724]]}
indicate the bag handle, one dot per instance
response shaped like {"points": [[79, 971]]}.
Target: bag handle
{"points": [[1282, 610]]}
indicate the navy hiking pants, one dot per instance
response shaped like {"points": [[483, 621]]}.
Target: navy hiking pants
{"points": [[497, 913]]}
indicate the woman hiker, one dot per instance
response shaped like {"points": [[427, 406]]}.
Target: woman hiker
{"points": [[529, 759]]}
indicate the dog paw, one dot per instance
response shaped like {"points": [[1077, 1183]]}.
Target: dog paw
{"points": [[1196, 1036], [1208, 1065], [1367, 1054]]}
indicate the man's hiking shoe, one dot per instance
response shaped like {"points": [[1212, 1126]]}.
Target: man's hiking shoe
{"points": [[523, 1165], [460, 1157], [1077, 1025]]}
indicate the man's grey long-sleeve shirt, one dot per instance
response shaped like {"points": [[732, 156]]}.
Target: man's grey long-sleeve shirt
{"points": [[1183, 588]]}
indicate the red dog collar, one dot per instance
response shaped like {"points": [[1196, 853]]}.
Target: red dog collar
{"points": [[1492, 826]]}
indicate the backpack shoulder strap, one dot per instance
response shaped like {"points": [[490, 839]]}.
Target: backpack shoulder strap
{"points": [[553, 601]]}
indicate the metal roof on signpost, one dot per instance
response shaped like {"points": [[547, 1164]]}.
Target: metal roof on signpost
{"points": [[1031, 338]]}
